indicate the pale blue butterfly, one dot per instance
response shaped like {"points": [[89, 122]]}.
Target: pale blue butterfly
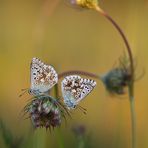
{"points": [[74, 89], [43, 77]]}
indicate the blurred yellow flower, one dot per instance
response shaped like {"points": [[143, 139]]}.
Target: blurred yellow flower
{"points": [[90, 4]]}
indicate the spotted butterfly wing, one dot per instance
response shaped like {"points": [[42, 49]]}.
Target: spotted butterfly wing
{"points": [[75, 88], [43, 77]]}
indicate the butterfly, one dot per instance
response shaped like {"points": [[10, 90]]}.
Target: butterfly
{"points": [[42, 76], [74, 89]]}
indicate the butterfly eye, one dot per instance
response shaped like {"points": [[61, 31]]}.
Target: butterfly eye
{"points": [[74, 106], [30, 91]]}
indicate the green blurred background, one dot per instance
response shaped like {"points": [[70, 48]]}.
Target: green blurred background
{"points": [[71, 38]]}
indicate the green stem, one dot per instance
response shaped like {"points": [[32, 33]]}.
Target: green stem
{"points": [[133, 122], [133, 116], [56, 91], [60, 139], [58, 132]]}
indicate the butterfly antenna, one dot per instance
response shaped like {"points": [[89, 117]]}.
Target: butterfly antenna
{"points": [[82, 109], [27, 118], [24, 91]]}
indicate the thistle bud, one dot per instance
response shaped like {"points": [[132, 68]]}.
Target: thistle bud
{"points": [[45, 112], [117, 80]]}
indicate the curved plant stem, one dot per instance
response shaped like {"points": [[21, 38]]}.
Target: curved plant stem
{"points": [[102, 12], [92, 75], [131, 83]]}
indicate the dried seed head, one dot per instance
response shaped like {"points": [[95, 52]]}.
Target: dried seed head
{"points": [[116, 80], [45, 112], [90, 4]]}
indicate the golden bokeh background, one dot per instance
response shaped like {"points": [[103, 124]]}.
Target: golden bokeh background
{"points": [[73, 39]]}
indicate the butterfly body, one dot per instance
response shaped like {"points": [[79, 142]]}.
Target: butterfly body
{"points": [[75, 89], [35, 92], [69, 100], [43, 77]]}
